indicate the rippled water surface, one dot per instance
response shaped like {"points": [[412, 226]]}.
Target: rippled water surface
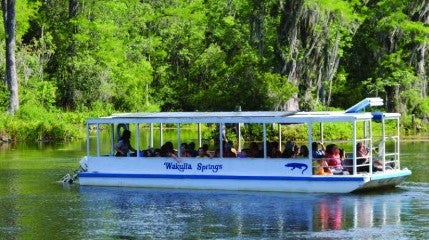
{"points": [[33, 205]]}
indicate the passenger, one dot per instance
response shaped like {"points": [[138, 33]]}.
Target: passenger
{"points": [[316, 151], [321, 167], [217, 153], [227, 151], [334, 159], [243, 153], [361, 157], [191, 149], [123, 147], [233, 150], [303, 151], [157, 152], [275, 150], [201, 153], [291, 150], [254, 151], [167, 150], [184, 150], [206, 150]]}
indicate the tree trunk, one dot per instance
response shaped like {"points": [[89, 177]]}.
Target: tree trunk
{"points": [[8, 8], [420, 12]]}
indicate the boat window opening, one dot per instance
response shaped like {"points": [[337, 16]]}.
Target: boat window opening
{"points": [[100, 140]]}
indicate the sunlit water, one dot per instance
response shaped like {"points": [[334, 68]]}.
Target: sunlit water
{"points": [[33, 205]]}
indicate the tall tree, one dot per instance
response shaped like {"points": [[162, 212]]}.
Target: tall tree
{"points": [[8, 8]]}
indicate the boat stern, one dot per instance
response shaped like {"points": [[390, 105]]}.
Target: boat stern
{"points": [[387, 179]]}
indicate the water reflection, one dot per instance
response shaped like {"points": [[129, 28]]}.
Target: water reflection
{"points": [[217, 214]]}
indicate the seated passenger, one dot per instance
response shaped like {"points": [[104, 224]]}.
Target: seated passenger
{"points": [[316, 151], [303, 151], [334, 159], [243, 153], [184, 150], [167, 150], [201, 153], [191, 149], [227, 151], [275, 150], [123, 147], [206, 150], [321, 167], [254, 151], [291, 150], [361, 157]]}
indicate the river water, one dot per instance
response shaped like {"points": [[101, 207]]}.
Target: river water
{"points": [[33, 205]]}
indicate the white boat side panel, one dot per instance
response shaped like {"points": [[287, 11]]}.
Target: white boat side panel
{"points": [[201, 166]]}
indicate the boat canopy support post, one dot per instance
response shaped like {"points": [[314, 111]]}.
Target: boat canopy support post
{"points": [[98, 139], [112, 139], [151, 135], [264, 138], [354, 148], [280, 135], [87, 139], [310, 139], [179, 143], [200, 141], [397, 149], [221, 125], [161, 138], [239, 137], [138, 139]]}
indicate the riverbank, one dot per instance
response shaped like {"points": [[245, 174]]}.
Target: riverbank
{"points": [[415, 139]]}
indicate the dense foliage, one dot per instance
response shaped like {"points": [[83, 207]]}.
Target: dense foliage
{"points": [[201, 55]]}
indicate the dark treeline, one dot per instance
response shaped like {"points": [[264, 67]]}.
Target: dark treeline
{"points": [[204, 55]]}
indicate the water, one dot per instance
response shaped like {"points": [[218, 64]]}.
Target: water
{"points": [[33, 205]]}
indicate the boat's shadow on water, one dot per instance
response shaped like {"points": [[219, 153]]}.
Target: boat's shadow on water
{"points": [[230, 214]]}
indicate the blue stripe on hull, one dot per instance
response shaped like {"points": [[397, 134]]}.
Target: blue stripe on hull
{"points": [[176, 176]]}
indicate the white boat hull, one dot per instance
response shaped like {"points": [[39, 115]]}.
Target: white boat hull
{"points": [[228, 174]]}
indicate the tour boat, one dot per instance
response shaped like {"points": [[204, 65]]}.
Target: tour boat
{"points": [[234, 132]]}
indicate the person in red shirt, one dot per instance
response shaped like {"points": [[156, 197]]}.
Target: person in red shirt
{"points": [[334, 159]]}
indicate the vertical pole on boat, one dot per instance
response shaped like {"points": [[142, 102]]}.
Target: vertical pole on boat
{"points": [[178, 140], [87, 139], [151, 135], [112, 139], [280, 135], [239, 137], [397, 158], [264, 139], [98, 139], [354, 148], [371, 157], [161, 139], [321, 132], [138, 139], [200, 143], [383, 134], [238, 109], [221, 139], [310, 140]]}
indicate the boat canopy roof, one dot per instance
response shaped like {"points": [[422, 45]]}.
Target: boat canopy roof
{"points": [[239, 117]]}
